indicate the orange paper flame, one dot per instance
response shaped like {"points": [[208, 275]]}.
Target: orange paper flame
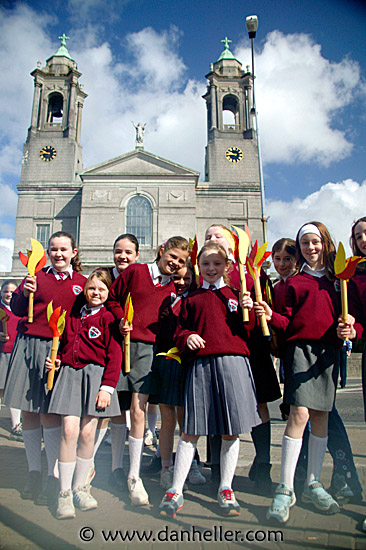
{"points": [[256, 258], [3, 316], [56, 320], [345, 268], [128, 313], [173, 353], [35, 258]]}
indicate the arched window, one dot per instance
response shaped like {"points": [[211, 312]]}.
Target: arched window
{"points": [[230, 112], [55, 107], [139, 219]]}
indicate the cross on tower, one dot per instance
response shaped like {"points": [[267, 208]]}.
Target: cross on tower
{"points": [[226, 42], [63, 39]]}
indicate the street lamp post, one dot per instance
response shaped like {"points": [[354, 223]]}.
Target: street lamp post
{"points": [[252, 26]]}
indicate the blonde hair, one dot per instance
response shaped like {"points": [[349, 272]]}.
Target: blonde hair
{"points": [[102, 275], [213, 246], [226, 233]]}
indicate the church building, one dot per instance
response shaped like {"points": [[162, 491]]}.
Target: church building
{"points": [[137, 192]]}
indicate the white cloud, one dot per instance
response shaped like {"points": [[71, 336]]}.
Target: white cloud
{"points": [[300, 95], [6, 252], [337, 205]]}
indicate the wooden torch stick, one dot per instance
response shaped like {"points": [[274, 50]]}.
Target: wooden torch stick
{"points": [[243, 284], [30, 307], [127, 352], [197, 274], [258, 295], [344, 301], [51, 373]]}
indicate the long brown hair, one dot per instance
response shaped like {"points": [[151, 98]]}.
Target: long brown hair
{"points": [[328, 250], [173, 242], [75, 261]]}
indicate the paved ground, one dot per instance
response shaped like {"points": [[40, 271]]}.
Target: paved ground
{"points": [[198, 525]]}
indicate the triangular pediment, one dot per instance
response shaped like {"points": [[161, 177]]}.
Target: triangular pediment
{"points": [[138, 163]]}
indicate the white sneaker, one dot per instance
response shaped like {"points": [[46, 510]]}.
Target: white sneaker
{"points": [[83, 499], [138, 495], [150, 438], [65, 507], [195, 477], [166, 478]]}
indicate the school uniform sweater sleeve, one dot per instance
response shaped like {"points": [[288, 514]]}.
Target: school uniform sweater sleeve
{"points": [[11, 329], [62, 293], [148, 301], [357, 301], [312, 307], [217, 317], [93, 340]]}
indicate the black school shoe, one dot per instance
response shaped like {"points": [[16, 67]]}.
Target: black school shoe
{"points": [[153, 467], [33, 486], [49, 494], [118, 479]]}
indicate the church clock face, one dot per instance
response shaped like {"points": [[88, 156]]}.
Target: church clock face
{"points": [[234, 154], [47, 153]]}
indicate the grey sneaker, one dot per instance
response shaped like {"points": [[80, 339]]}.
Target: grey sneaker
{"points": [[166, 478], [283, 500], [65, 507], [83, 499], [172, 502], [317, 495], [16, 433], [195, 477], [227, 502]]}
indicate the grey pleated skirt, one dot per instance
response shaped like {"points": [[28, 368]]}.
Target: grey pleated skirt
{"points": [[76, 390], [138, 380], [4, 365], [311, 374], [219, 397], [26, 383], [168, 377]]}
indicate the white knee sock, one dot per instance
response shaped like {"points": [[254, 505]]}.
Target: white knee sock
{"points": [[14, 416], [157, 452], [82, 468], [52, 439], [135, 447], [290, 453], [183, 461], [228, 461], [316, 453], [32, 444], [128, 420], [66, 470], [151, 421], [118, 438], [99, 436]]}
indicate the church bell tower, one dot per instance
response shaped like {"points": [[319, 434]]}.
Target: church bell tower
{"points": [[49, 193], [231, 161]]}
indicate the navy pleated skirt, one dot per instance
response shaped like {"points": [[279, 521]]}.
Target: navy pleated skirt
{"points": [[76, 390], [219, 397], [26, 383], [4, 365], [168, 380]]}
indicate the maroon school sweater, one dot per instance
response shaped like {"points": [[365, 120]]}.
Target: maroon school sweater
{"points": [[62, 293], [357, 300], [217, 317], [148, 300], [312, 308], [11, 328], [93, 339]]}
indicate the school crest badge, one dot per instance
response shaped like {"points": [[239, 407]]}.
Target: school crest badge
{"points": [[77, 289], [337, 285], [94, 332], [173, 296], [233, 304]]}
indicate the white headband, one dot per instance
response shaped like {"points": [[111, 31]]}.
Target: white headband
{"points": [[309, 228]]}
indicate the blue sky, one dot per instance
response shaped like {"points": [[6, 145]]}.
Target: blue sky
{"points": [[146, 61]]}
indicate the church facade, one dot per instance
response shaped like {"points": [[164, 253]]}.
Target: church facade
{"points": [[138, 192]]}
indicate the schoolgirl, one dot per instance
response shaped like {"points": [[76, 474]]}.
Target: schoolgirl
{"points": [[265, 379], [312, 306], [90, 356], [150, 286], [356, 326], [25, 386], [125, 253], [219, 393], [168, 382], [7, 340]]}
